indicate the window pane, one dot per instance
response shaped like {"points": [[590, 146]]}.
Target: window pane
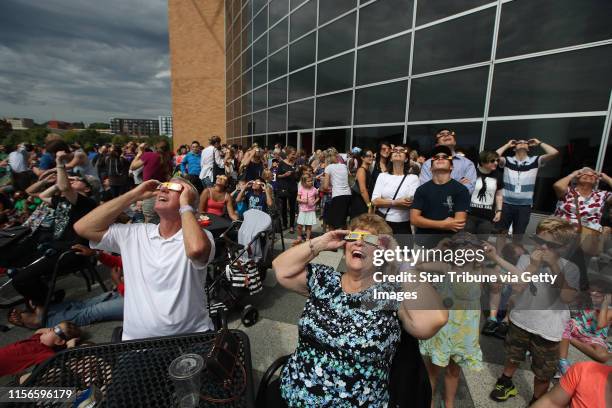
{"points": [[302, 52], [304, 19], [260, 140], [260, 74], [461, 41], [277, 92], [428, 11], [292, 139], [278, 36], [278, 10], [278, 138], [260, 49], [422, 138], [577, 139], [334, 110], [338, 138], [246, 37], [247, 81], [259, 122], [247, 103], [245, 141], [246, 15], [331, 9], [247, 61], [259, 98], [369, 138], [383, 18], [277, 119], [395, 54], [459, 94], [246, 125], [337, 37], [335, 74], [548, 24], [277, 64], [260, 23], [567, 82], [301, 84], [381, 104], [257, 4], [300, 115]]}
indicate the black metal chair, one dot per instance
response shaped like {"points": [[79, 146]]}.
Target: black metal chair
{"points": [[87, 270]]}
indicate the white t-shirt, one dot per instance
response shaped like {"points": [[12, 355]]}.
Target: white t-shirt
{"points": [[543, 313], [386, 186], [164, 289], [338, 177]]}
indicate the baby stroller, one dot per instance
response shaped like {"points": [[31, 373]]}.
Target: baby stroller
{"points": [[242, 269]]}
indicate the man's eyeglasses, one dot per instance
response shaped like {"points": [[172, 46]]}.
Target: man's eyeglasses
{"points": [[541, 241], [442, 157], [493, 161], [171, 186], [445, 133], [362, 236]]}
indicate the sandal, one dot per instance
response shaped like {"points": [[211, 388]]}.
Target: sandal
{"points": [[14, 317]]}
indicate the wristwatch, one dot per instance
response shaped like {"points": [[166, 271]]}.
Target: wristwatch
{"points": [[185, 209]]}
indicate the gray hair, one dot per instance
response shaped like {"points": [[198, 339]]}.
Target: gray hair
{"points": [[195, 190]]}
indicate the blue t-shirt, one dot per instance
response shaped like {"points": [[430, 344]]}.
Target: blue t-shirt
{"points": [[46, 161], [256, 201]]}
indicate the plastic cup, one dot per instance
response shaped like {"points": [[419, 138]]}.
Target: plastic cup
{"points": [[185, 372]]}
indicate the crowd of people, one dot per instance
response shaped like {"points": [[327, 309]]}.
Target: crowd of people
{"points": [[134, 208]]}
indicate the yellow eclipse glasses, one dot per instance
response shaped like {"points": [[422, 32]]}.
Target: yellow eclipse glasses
{"points": [[171, 186], [362, 236]]}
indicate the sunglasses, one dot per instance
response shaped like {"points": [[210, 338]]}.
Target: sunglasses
{"points": [[399, 150], [541, 241], [493, 161], [178, 187], [362, 236], [522, 142], [60, 333], [442, 157]]}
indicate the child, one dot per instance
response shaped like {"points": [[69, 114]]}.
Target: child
{"points": [[19, 356], [307, 198], [241, 206], [588, 330]]}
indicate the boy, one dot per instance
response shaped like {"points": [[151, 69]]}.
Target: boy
{"points": [[17, 357], [540, 314]]}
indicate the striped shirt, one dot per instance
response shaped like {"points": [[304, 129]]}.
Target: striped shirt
{"points": [[520, 179]]}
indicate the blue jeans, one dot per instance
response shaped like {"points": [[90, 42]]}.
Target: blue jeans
{"points": [[107, 306]]}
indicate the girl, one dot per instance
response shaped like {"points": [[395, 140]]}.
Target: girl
{"points": [[307, 197]]}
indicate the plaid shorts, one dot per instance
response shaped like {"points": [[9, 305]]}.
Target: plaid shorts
{"points": [[544, 353]]}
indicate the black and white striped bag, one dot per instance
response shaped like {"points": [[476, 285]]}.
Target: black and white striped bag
{"points": [[244, 275]]}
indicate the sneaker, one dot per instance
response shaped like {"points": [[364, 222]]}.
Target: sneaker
{"points": [[490, 327], [503, 391], [564, 365], [501, 330]]}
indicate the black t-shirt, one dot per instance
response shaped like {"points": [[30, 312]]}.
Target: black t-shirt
{"points": [[287, 183], [482, 204], [67, 214], [440, 201]]}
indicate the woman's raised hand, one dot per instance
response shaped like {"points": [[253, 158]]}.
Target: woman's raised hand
{"points": [[330, 241]]}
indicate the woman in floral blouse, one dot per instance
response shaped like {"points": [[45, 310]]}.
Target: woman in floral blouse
{"points": [[581, 187], [347, 340]]}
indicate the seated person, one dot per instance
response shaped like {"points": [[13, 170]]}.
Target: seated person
{"points": [[107, 306], [257, 195], [588, 329], [585, 385], [17, 357], [70, 197], [215, 199], [345, 351]]}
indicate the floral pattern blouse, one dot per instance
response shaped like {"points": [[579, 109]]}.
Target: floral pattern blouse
{"points": [[591, 207], [345, 348]]}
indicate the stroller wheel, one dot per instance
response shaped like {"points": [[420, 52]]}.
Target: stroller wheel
{"points": [[249, 315]]}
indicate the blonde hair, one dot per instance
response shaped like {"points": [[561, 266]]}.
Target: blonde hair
{"points": [[561, 229], [372, 223], [304, 178], [71, 330]]}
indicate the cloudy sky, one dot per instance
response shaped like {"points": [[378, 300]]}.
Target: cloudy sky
{"points": [[84, 60]]}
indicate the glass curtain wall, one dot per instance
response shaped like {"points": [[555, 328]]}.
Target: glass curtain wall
{"points": [[355, 72]]}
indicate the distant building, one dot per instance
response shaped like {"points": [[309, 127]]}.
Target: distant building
{"points": [[58, 124], [135, 127], [20, 123], [165, 125]]}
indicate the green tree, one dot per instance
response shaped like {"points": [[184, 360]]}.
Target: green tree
{"points": [[98, 125]]}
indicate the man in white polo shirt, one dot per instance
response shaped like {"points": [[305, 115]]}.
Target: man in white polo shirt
{"points": [[162, 264]]}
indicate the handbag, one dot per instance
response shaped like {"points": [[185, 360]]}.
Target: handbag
{"points": [[378, 212], [591, 240]]}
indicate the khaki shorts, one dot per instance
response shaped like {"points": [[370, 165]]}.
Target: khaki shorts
{"points": [[544, 353]]}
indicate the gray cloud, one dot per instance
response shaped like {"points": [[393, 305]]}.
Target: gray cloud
{"points": [[84, 60]]}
